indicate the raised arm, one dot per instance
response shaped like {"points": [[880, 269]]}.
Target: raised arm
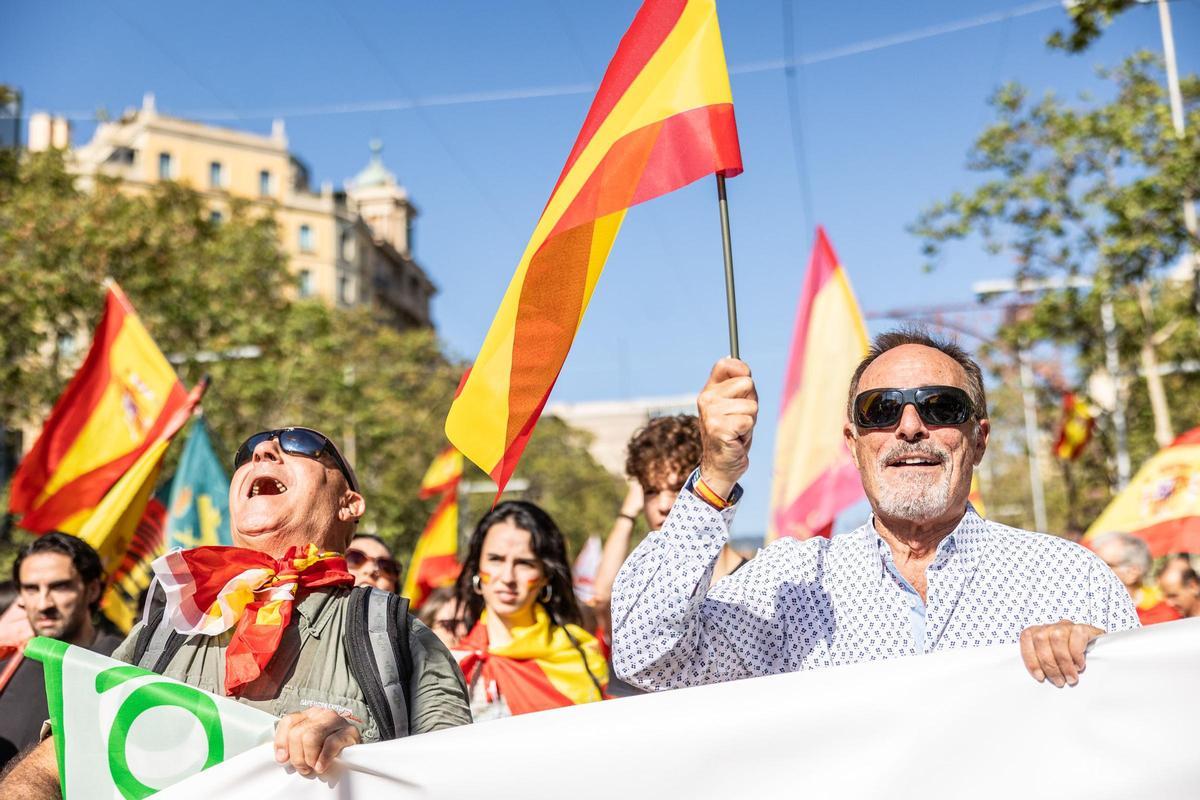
{"points": [[34, 775], [669, 628]]}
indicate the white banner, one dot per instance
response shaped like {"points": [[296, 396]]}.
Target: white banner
{"points": [[968, 723]]}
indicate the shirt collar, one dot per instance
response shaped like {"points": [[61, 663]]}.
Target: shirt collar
{"points": [[966, 538]]}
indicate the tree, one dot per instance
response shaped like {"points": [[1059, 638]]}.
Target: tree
{"points": [[1091, 189], [206, 289], [1089, 18]]}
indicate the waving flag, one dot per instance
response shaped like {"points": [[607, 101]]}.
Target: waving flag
{"points": [[435, 558], [113, 410], [662, 118], [1162, 502], [814, 476], [587, 564], [121, 731], [199, 503]]}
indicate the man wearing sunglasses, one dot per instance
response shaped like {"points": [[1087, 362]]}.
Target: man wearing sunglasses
{"points": [[925, 573], [294, 503]]}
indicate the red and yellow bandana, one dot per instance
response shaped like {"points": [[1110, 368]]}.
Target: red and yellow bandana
{"points": [[539, 669], [211, 589]]}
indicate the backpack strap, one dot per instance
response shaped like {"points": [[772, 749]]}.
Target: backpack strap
{"points": [[380, 657], [157, 642]]}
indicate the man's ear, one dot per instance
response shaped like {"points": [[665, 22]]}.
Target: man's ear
{"points": [[94, 590], [983, 430], [352, 506], [850, 435]]}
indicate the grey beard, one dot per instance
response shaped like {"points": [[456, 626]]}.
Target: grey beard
{"points": [[900, 501]]}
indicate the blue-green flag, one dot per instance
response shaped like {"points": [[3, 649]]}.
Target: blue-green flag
{"points": [[198, 511]]}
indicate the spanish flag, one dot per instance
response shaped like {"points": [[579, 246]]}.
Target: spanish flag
{"points": [[435, 558], [1075, 430], [814, 476], [114, 409], [662, 118], [1162, 502]]}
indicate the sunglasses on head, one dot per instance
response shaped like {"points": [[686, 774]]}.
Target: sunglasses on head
{"points": [[388, 566], [936, 405], [303, 442]]}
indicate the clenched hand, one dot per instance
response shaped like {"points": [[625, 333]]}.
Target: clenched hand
{"points": [[728, 408], [1056, 652], [310, 740]]}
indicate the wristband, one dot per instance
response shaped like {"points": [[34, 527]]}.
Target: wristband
{"points": [[705, 493], [632, 519]]}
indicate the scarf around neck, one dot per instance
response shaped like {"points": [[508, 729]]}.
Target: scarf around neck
{"points": [[540, 668], [212, 589]]}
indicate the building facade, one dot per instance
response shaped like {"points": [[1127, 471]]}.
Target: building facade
{"points": [[351, 248]]}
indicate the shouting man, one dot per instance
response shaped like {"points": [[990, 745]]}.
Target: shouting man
{"points": [[293, 503], [925, 573]]}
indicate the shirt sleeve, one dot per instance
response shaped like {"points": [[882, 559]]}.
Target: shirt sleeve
{"points": [[670, 629], [437, 690]]}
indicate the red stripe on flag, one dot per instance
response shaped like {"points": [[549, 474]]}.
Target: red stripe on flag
{"points": [[814, 509], [1180, 535], [654, 22]]}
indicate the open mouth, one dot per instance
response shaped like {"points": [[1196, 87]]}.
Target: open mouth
{"points": [[266, 486], [915, 461]]}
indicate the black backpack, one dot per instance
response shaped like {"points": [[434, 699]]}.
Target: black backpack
{"points": [[376, 644]]}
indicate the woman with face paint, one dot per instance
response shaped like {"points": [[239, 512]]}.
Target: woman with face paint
{"points": [[525, 650]]}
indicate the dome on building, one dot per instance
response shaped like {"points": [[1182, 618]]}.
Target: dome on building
{"points": [[375, 173]]}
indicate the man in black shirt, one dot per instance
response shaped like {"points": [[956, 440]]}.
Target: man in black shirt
{"points": [[59, 581]]}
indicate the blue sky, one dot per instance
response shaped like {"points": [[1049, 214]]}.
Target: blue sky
{"points": [[478, 104]]}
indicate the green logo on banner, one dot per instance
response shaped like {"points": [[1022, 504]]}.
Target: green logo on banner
{"points": [[149, 696]]}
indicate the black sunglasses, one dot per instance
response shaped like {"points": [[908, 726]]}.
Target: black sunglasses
{"points": [[936, 405], [296, 442], [388, 566]]}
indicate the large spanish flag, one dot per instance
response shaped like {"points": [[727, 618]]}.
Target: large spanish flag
{"points": [[435, 558], [113, 410], [662, 118], [1162, 502], [814, 476]]}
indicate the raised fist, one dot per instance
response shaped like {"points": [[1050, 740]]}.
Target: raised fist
{"points": [[728, 408]]}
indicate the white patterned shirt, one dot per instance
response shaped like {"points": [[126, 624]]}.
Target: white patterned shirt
{"points": [[827, 602]]}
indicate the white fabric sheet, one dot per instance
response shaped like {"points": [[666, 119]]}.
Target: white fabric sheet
{"points": [[968, 723]]}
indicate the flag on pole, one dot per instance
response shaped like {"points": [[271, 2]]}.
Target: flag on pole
{"points": [[125, 732], [435, 557], [814, 476], [1162, 502], [112, 524], [199, 502], [662, 118], [113, 410], [1075, 429]]}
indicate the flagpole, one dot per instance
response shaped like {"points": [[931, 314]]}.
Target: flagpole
{"points": [[730, 295]]}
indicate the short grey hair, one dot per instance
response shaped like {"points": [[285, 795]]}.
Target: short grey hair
{"points": [[1135, 552], [917, 334]]}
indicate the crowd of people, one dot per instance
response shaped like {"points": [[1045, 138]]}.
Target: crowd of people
{"points": [[925, 573]]}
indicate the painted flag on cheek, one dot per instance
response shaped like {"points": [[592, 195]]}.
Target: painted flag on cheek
{"points": [[662, 118], [125, 732]]}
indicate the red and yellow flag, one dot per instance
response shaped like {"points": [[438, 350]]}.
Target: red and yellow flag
{"points": [[662, 118], [114, 409], [814, 476], [1162, 502], [1075, 430], [435, 558]]}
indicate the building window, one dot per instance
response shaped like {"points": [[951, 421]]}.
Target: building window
{"points": [[347, 245], [306, 287], [266, 186], [215, 217], [166, 167], [216, 175], [306, 239], [345, 290]]}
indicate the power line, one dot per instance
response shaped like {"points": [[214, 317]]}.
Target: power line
{"points": [[793, 78], [411, 103]]}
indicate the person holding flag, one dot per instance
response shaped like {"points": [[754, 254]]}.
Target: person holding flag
{"points": [[924, 574], [275, 623]]}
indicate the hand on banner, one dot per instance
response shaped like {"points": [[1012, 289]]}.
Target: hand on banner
{"points": [[728, 408], [310, 740], [1056, 651]]}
